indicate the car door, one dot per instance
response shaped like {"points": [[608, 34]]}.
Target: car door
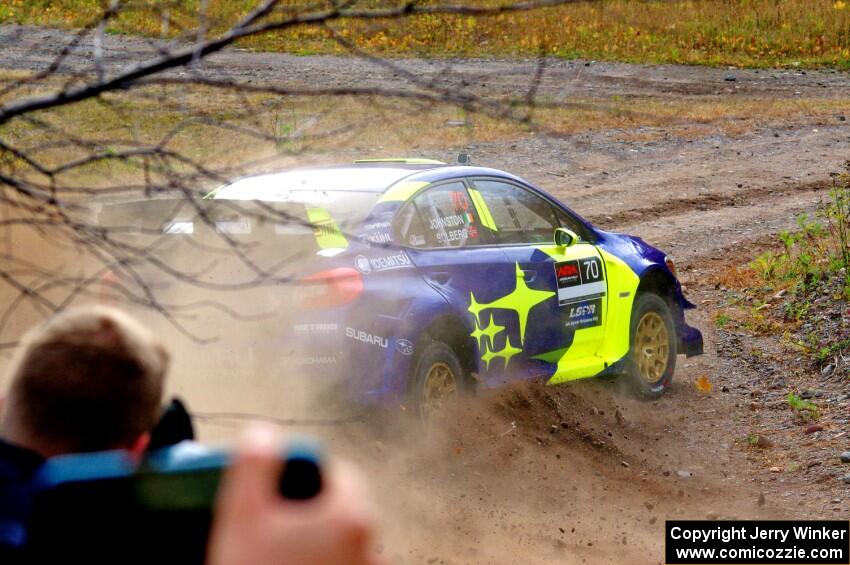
{"points": [[455, 251], [565, 311]]}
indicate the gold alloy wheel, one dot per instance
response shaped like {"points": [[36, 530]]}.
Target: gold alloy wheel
{"points": [[652, 347], [439, 388]]}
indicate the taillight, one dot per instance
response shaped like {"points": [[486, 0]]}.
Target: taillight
{"points": [[334, 287]]}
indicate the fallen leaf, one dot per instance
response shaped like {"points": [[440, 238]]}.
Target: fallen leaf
{"points": [[703, 384]]}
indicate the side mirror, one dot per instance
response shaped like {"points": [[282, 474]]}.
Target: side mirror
{"points": [[565, 237]]}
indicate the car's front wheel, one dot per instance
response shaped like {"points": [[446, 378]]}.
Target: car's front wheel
{"points": [[438, 380], [653, 346]]}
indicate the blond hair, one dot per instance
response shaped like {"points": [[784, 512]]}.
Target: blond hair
{"points": [[86, 380]]}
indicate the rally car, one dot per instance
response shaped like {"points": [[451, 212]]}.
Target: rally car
{"points": [[415, 281]]}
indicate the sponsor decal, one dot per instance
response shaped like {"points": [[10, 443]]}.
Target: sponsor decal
{"points": [[366, 337], [374, 226], [404, 346], [417, 240], [568, 274], [329, 360], [378, 232], [326, 230], [379, 237], [398, 260], [362, 264], [453, 235], [302, 329], [580, 280], [586, 314], [447, 222]]}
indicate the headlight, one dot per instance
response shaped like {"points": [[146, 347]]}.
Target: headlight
{"points": [[672, 266]]}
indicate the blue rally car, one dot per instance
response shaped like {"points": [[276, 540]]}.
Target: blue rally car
{"points": [[415, 281]]}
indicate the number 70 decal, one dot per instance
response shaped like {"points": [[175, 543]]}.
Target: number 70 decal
{"points": [[580, 279]]}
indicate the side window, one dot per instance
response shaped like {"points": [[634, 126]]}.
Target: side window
{"points": [[408, 226], [442, 216], [568, 221], [520, 215]]}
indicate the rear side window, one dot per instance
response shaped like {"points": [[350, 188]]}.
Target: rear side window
{"points": [[520, 215], [441, 216]]}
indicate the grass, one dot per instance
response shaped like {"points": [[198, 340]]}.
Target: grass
{"points": [[751, 33], [199, 122], [807, 280], [804, 410], [818, 250]]}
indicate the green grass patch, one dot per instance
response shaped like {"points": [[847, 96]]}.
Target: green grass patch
{"points": [[804, 410], [818, 250], [752, 33]]}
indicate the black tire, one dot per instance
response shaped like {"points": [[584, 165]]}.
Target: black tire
{"points": [[648, 374], [435, 356]]}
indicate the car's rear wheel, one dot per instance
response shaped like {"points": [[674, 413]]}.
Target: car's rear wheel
{"points": [[652, 354], [438, 380]]}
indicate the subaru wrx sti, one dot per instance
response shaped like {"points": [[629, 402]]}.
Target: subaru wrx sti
{"points": [[417, 281]]}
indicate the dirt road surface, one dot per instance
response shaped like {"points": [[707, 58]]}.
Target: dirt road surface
{"points": [[581, 473]]}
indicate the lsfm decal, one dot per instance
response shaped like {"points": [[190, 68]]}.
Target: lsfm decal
{"points": [[366, 265], [521, 301], [366, 337], [585, 314]]}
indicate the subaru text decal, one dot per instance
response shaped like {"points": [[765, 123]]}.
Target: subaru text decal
{"points": [[366, 337]]}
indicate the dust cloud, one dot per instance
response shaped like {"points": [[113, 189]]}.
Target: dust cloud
{"points": [[531, 474]]}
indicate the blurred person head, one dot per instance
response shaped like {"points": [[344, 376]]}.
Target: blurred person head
{"points": [[87, 380]]}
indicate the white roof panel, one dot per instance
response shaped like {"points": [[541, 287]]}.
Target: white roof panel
{"points": [[284, 187]]}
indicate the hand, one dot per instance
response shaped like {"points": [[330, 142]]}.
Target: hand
{"points": [[254, 525]]}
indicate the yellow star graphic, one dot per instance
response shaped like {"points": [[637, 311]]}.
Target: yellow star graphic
{"points": [[492, 330], [487, 356], [521, 301], [475, 308], [478, 333], [507, 352]]}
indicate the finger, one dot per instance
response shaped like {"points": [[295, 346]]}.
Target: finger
{"points": [[350, 505], [250, 484]]}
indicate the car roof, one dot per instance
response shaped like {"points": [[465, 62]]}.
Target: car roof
{"points": [[363, 176]]}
